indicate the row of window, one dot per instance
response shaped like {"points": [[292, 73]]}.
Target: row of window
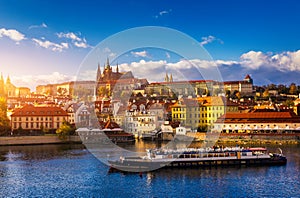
{"points": [[36, 125], [201, 121], [140, 119], [37, 118], [199, 108], [203, 115], [140, 125], [41, 112]]}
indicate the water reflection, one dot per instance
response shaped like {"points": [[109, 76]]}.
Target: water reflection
{"points": [[40, 152], [71, 171]]}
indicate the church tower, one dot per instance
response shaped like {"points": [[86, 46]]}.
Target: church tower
{"points": [[166, 77], [2, 91], [98, 73], [171, 78], [8, 80]]}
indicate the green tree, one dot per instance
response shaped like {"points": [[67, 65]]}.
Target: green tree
{"points": [[4, 121], [64, 130]]}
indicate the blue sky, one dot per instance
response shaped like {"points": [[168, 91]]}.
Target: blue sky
{"points": [[45, 41]]}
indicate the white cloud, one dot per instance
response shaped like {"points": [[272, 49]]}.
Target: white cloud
{"points": [[285, 61], [75, 39], [43, 25], [109, 53], [69, 35], [12, 34], [27, 80], [140, 54], [50, 45], [210, 39], [163, 12], [254, 60], [81, 44]]}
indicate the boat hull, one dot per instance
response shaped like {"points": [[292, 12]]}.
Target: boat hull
{"points": [[147, 165]]}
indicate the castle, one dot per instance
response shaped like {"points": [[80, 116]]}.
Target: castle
{"points": [[109, 81]]}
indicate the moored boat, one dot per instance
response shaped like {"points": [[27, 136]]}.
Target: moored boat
{"points": [[201, 157]]}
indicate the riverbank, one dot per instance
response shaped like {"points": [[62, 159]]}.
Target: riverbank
{"points": [[37, 140], [258, 139]]}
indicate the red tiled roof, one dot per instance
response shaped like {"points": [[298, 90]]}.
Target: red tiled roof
{"points": [[30, 110], [259, 117]]}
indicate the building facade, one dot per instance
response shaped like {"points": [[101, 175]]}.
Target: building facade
{"points": [[255, 122], [140, 123], [36, 118]]}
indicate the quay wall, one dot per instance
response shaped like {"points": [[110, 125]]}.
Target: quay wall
{"points": [[35, 140]]}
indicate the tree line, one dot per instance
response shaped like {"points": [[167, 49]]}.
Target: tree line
{"points": [[281, 89]]}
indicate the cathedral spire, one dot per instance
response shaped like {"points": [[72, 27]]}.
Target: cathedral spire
{"points": [[8, 80], [98, 72], [171, 78], [166, 77], [107, 63], [117, 68]]}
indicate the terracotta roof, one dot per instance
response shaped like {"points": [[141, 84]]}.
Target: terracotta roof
{"points": [[110, 125], [30, 110], [212, 101], [257, 117], [247, 77]]}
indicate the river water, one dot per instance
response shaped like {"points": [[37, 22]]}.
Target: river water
{"points": [[72, 171]]}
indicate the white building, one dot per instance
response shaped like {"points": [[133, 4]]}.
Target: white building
{"points": [[139, 123]]}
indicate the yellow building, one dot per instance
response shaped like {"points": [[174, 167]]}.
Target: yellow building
{"points": [[201, 112], [213, 107], [186, 111]]}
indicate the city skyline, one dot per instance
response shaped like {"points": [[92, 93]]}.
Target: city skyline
{"points": [[45, 42]]}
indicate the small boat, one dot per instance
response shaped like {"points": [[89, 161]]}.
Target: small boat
{"points": [[198, 157]]}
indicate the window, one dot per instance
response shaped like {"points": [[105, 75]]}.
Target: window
{"points": [[26, 118]]}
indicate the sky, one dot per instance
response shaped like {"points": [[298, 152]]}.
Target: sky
{"points": [[47, 41]]}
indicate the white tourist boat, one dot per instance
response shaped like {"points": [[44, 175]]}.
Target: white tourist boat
{"points": [[198, 157]]}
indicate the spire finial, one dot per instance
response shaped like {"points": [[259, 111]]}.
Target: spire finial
{"points": [[171, 78], [166, 77], [8, 80], [107, 62]]}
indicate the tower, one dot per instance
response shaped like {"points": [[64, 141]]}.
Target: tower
{"points": [[166, 77], [98, 73], [117, 68], [2, 91], [107, 64], [8, 80], [171, 78]]}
